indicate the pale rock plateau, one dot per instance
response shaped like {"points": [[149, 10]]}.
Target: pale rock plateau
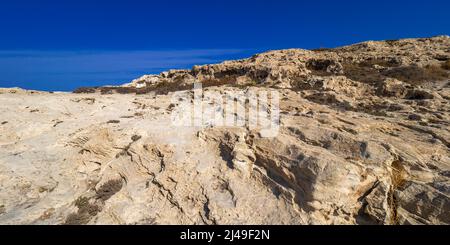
{"points": [[364, 138]]}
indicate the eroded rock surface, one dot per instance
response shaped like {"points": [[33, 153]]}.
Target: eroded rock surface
{"points": [[364, 139]]}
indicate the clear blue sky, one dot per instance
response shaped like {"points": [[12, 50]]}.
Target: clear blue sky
{"points": [[61, 45]]}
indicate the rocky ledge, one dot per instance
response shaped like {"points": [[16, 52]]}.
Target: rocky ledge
{"points": [[364, 138]]}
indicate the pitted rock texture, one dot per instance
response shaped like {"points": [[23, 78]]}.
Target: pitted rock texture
{"points": [[364, 139]]}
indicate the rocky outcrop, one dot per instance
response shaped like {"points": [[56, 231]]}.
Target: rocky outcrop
{"points": [[414, 61], [364, 138]]}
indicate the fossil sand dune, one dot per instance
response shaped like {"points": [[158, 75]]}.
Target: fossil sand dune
{"points": [[364, 138]]}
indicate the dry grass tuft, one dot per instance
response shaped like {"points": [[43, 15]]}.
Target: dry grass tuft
{"points": [[398, 180]]}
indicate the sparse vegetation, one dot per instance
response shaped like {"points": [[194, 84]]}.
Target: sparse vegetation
{"points": [[106, 90], [416, 75], [86, 211], [446, 65], [125, 150], [113, 121], [226, 80], [81, 202], [301, 82], [108, 189], [318, 65], [366, 71], [125, 90], [245, 85], [322, 50], [392, 42], [386, 62], [85, 90], [362, 73], [135, 137], [398, 180], [165, 87], [148, 221], [90, 207], [418, 95], [119, 90]]}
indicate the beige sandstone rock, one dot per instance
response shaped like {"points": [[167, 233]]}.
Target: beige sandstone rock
{"points": [[364, 139]]}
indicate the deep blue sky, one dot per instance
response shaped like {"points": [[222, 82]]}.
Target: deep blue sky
{"points": [[61, 45]]}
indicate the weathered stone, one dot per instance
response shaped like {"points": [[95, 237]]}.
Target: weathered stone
{"points": [[354, 145]]}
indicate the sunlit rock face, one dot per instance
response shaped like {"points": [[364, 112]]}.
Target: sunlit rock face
{"points": [[363, 138]]}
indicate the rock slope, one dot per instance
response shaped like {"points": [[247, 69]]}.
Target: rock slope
{"points": [[364, 139]]}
